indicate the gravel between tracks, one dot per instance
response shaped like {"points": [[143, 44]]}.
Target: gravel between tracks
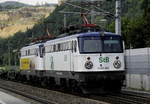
{"points": [[54, 96], [20, 97]]}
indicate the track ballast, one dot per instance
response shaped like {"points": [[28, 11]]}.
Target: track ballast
{"points": [[43, 95]]}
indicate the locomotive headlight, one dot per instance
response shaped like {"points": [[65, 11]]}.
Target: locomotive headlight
{"points": [[117, 64], [88, 65]]}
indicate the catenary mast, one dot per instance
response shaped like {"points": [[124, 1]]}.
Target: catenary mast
{"points": [[118, 17]]}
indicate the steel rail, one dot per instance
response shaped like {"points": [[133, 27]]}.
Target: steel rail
{"points": [[40, 100]]}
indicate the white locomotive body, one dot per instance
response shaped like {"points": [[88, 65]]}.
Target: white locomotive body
{"points": [[91, 61], [31, 57], [66, 54]]}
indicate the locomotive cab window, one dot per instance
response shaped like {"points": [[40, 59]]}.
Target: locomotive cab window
{"points": [[101, 44], [112, 46], [90, 44]]}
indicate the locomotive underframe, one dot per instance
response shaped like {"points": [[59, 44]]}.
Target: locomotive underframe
{"points": [[88, 82]]}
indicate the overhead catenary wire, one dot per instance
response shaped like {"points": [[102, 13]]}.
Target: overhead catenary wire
{"points": [[94, 11], [102, 12], [77, 6]]}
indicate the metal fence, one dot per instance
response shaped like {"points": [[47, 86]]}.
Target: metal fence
{"points": [[137, 61]]}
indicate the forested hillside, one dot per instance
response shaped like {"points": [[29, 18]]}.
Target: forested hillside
{"points": [[16, 16], [135, 26], [21, 19], [12, 5]]}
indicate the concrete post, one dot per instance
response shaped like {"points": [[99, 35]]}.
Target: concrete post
{"points": [[118, 17]]}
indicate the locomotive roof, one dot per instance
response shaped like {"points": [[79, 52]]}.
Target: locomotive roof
{"points": [[31, 46], [71, 37], [83, 35], [97, 34]]}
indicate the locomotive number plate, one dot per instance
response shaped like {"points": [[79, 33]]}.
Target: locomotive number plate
{"points": [[103, 67]]}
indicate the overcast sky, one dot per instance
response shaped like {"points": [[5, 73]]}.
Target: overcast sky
{"points": [[33, 2]]}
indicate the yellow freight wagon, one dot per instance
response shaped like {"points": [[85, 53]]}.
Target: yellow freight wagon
{"points": [[24, 64]]}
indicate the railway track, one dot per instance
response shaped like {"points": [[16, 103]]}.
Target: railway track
{"points": [[122, 98], [140, 98], [45, 96], [42, 96], [27, 95]]}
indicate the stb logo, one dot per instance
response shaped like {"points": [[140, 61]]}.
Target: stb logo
{"points": [[104, 59]]}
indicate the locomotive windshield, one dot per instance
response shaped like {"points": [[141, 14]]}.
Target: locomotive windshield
{"points": [[105, 44]]}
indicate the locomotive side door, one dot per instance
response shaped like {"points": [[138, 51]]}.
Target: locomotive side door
{"points": [[72, 55], [40, 62]]}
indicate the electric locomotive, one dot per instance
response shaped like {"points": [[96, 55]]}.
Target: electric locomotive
{"points": [[92, 62], [84, 59]]}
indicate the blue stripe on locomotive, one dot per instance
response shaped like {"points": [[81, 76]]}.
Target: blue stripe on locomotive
{"points": [[98, 34]]}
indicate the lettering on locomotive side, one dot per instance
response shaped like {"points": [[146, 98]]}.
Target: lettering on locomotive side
{"points": [[104, 60]]}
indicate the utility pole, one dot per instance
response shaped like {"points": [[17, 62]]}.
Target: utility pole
{"points": [[65, 20], [15, 57], [9, 56], [118, 17], [92, 13], [92, 16]]}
